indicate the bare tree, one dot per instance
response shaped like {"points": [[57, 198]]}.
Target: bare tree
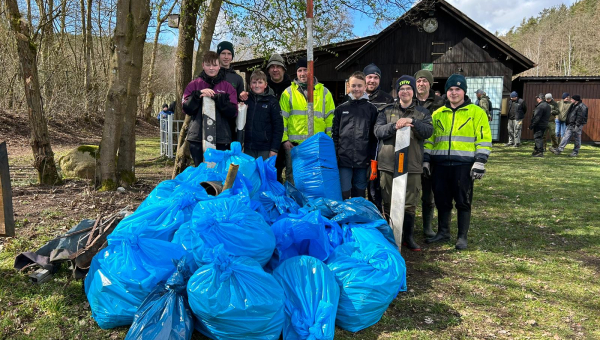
{"points": [[126, 60], [40, 142]]}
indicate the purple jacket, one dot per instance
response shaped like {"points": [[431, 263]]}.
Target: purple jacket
{"points": [[225, 104]]}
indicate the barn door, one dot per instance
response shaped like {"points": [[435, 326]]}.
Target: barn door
{"points": [[493, 88]]}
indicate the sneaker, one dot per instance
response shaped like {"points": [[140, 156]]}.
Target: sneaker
{"points": [[552, 149], [556, 152], [508, 144], [573, 154]]}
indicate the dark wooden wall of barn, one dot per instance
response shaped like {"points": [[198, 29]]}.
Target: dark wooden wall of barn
{"points": [[450, 48], [590, 95]]}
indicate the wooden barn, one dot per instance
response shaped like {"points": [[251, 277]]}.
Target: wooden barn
{"points": [[587, 87], [432, 35]]}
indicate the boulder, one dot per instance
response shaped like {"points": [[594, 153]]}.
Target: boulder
{"points": [[80, 162]]}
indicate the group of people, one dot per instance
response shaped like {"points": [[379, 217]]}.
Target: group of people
{"points": [[555, 121], [450, 137]]}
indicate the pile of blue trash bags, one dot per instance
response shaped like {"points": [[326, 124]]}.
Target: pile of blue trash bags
{"points": [[257, 261]]}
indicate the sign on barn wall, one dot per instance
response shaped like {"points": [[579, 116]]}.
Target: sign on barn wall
{"points": [[7, 222]]}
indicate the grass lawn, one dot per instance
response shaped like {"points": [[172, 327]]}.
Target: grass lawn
{"points": [[531, 270]]}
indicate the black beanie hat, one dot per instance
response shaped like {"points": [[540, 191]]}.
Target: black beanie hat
{"points": [[372, 69], [225, 45], [406, 80], [576, 97], [301, 63], [456, 80]]}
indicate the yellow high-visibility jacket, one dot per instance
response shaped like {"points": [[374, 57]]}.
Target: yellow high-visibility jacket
{"points": [[294, 110], [460, 137]]}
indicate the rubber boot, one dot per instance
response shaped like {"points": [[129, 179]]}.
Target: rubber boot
{"points": [[464, 220], [443, 233], [427, 218], [408, 229], [346, 194], [358, 193]]}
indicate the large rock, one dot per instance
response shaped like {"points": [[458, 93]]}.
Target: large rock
{"points": [[80, 162]]}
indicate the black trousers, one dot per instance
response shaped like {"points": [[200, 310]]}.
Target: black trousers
{"points": [[452, 183], [538, 136], [198, 154], [280, 163]]}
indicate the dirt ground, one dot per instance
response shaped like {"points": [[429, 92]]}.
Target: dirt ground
{"points": [[38, 205]]}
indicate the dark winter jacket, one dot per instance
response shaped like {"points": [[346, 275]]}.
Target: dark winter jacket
{"points": [[278, 88], [576, 115], [234, 79], [380, 98], [554, 110], [264, 124], [353, 134], [385, 131], [541, 115], [432, 102], [516, 109], [225, 105]]}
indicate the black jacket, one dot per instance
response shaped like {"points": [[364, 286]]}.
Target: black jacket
{"points": [[264, 125], [541, 115], [576, 116], [432, 102], [234, 79], [380, 98], [516, 109], [353, 133], [278, 88]]}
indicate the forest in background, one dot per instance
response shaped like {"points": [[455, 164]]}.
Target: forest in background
{"points": [[562, 40]]}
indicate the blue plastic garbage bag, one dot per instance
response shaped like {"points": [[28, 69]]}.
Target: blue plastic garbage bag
{"points": [[191, 241], [235, 155], [311, 298], [369, 277], [293, 193], [275, 205], [300, 235], [124, 273], [165, 313], [334, 233], [378, 231], [158, 221], [315, 168], [233, 223], [268, 176], [326, 206], [233, 298]]}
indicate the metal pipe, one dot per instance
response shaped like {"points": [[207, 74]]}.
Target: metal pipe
{"points": [[309, 58]]}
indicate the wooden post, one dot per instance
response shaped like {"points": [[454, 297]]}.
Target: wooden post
{"points": [[7, 221]]}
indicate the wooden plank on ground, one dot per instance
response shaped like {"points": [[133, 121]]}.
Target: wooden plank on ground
{"points": [[7, 221]]}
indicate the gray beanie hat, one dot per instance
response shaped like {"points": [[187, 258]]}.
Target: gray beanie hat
{"points": [[276, 59]]}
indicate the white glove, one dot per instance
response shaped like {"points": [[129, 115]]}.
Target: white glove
{"points": [[426, 169], [478, 170]]}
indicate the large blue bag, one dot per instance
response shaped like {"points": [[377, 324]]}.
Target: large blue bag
{"points": [[247, 169], [124, 273], [300, 235], [315, 168], [311, 298], [370, 277], [191, 241], [165, 313], [230, 221], [233, 298], [275, 205], [158, 221], [268, 176], [378, 231]]}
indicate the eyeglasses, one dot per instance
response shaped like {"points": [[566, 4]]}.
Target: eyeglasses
{"points": [[405, 90]]}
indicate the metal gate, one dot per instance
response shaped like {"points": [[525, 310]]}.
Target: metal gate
{"points": [[169, 135]]}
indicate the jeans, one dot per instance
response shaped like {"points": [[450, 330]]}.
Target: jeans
{"points": [[561, 128], [572, 131], [353, 178], [514, 131]]}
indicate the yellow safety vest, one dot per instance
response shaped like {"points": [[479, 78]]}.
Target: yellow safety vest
{"points": [[294, 110]]}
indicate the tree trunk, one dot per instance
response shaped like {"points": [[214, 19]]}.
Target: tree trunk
{"points": [[40, 142], [89, 102], [121, 100], [207, 30], [182, 159], [149, 97]]}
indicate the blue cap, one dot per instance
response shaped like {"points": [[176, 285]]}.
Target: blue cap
{"points": [[565, 95], [514, 94]]}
